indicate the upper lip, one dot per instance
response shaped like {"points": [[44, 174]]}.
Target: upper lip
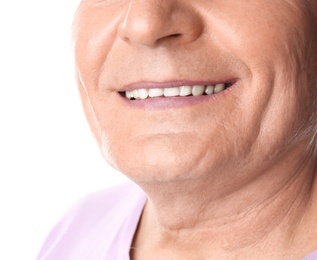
{"points": [[171, 84]]}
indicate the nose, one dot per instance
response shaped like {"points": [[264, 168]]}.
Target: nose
{"points": [[154, 22]]}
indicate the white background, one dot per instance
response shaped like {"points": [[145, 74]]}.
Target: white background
{"points": [[48, 157]]}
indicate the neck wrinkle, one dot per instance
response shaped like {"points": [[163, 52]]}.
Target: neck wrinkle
{"points": [[238, 220]]}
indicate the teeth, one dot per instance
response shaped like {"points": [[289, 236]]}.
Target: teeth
{"points": [[143, 93], [156, 92], [198, 90], [129, 94], [185, 91], [135, 94], [182, 91], [171, 92], [219, 88], [209, 90]]}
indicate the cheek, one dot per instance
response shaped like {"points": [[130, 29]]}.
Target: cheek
{"points": [[94, 33]]}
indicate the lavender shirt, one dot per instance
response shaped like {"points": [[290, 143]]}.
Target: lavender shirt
{"points": [[100, 227]]}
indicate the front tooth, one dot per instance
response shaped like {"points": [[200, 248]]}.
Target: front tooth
{"points": [[209, 90], [156, 92], [198, 90], [185, 91], [171, 92], [143, 93], [135, 94], [219, 88]]}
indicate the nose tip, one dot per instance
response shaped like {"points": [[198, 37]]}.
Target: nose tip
{"points": [[146, 30], [151, 22]]}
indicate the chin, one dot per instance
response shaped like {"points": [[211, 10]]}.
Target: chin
{"points": [[159, 173], [165, 166]]}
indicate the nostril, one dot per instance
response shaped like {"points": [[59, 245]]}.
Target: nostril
{"points": [[174, 36]]}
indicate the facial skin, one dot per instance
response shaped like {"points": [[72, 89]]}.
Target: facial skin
{"points": [[264, 45], [264, 124]]}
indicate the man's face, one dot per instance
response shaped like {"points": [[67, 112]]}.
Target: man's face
{"points": [[263, 51]]}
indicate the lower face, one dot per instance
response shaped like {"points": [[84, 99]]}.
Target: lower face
{"points": [[263, 51]]}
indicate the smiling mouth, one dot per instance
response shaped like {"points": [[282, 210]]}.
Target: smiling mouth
{"points": [[181, 91]]}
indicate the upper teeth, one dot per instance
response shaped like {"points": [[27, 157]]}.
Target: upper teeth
{"points": [[182, 91]]}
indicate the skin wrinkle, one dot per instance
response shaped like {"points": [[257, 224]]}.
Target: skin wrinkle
{"points": [[300, 133], [254, 209], [238, 169], [248, 242], [307, 127], [89, 112], [308, 5]]}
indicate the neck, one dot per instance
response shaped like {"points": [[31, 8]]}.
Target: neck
{"points": [[240, 212]]}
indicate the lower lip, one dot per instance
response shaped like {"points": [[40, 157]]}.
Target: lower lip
{"points": [[160, 103]]}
